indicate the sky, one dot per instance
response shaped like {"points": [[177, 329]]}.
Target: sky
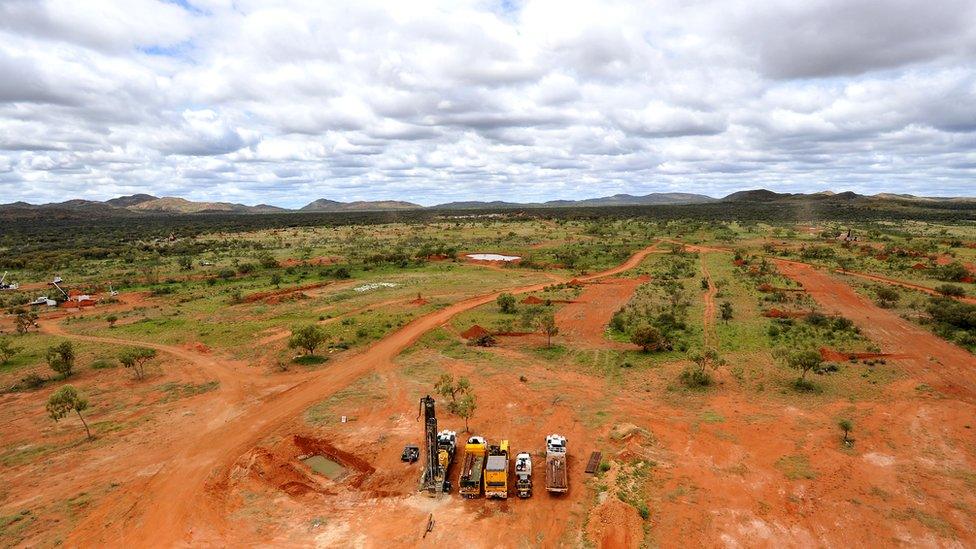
{"points": [[283, 102]]}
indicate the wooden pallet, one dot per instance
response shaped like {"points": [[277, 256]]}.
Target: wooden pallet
{"points": [[594, 462]]}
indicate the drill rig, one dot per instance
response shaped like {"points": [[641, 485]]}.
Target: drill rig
{"points": [[438, 449]]}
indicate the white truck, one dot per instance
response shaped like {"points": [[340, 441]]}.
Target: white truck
{"points": [[523, 475], [557, 475]]}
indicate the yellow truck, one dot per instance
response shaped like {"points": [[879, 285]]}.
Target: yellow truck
{"points": [[496, 471], [473, 468]]}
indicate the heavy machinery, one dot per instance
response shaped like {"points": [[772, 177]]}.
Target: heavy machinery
{"points": [[57, 284], [438, 451], [410, 454], [523, 475], [4, 285], [496, 471], [557, 477], [473, 468]]}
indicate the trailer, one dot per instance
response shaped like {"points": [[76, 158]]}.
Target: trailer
{"points": [[473, 468], [496, 471], [523, 475], [557, 475]]}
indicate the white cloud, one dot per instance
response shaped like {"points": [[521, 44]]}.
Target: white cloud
{"points": [[286, 101]]}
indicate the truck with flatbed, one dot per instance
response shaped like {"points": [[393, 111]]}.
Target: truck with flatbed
{"points": [[473, 467], [496, 471], [557, 475]]}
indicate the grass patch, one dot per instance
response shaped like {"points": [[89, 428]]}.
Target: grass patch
{"points": [[309, 360], [796, 467], [175, 391]]}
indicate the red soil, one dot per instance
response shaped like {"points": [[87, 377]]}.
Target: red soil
{"points": [[585, 321], [832, 355], [926, 356], [532, 300], [474, 332]]}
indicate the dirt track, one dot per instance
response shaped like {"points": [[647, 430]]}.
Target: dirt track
{"points": [[708, 320], [935, 360], [901, 283], [173, 506]]}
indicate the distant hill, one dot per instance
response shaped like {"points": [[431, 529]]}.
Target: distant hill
{"points": [[131, 200], [615, 200], [147, 205], [326, 205]]}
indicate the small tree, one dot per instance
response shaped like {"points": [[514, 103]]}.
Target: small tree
{"points": [[137, 360], [111, 319], [886, 296], [726, 311], [648, 338], [61, 358], [185, 262], [448, 387], [464, 408], [25, 321], [806, 361], [66, 400], [308, 338], [506, 303], [547, 324], [847, 426], [276, 280], [704, 360], [7, 350]]}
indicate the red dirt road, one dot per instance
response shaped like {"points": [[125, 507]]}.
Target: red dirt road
{"points": [[584, 322], [174, 506], [930, 358]]}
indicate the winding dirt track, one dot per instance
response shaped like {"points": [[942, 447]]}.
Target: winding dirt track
{"points": [[173, 507], [922, 354]]}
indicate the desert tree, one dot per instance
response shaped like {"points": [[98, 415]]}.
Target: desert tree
{"points": [[111, 319], [648, 338], [449, 387], [7, 350], [136, 359], [506, 303], [185, 262], [307, 338], [464, 408], [950, 290], [24, 321], [547, 324], [805, 361], [725, 309], [65, 400], [846, 426], [886, 296], [61, 358], [704, 360]]}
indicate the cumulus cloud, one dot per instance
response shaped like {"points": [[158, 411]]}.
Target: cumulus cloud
{"points": [[285, 101]]}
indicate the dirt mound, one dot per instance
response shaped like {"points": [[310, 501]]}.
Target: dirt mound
{"points": [[420, 301], [474, 332], [199, 347], [779, 313], [614, 524], [832, 355], [533, 300]]}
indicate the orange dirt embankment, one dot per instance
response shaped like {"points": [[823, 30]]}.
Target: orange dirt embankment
{"points": [[278, 294], [902, 283], [183, 511], [923, 354]]}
